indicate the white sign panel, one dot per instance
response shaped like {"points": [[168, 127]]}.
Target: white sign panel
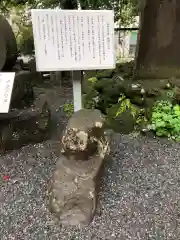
{"points": [[6, 86], [73, 39]]}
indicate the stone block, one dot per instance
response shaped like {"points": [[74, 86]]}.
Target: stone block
{"points": [[73, 188]]}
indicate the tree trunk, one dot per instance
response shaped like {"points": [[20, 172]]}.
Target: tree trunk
{"points": [[158, 53]]}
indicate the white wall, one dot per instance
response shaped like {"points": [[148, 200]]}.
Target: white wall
{"points": [[123, 41]]}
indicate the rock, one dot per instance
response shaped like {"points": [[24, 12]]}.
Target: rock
{"points": [[153, 92], [136, 87], [91, 99], [125, 69], [84, 130], [105, 73], [44, 117], [6, 134], [2, 51], [73, 197], [138, 100], [74, 183], [89, 74], [124, 123], [10, 46], [109, 133], [21, 127], [22, 94], [102, 84], [32, 65], [175, 82]]}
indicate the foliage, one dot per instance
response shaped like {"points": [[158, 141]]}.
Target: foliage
{"points": [[68, 108], [125, 10], [91, 96], [103, 90], [92, 80], [25, 40], [166, 119], [22, 27], [19, 10], [126, 104], [125, 117]]}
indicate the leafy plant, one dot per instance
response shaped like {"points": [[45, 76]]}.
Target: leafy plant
{"points": [[125, 117], [126, 104], [68, 109], [91, 96], [92, 80], [166, 119], [124, 10]]}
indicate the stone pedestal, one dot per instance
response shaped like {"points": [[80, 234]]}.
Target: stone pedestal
{"points": [[74, 183], [159, 48]]}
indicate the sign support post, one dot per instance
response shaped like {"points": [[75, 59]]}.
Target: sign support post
{"points": [[77, 90]]}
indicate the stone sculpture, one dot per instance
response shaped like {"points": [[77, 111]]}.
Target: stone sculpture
{"points": [[75, 181], [28, 118]]}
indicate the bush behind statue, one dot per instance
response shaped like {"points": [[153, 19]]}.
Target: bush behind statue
{"points": [[131, 104]]}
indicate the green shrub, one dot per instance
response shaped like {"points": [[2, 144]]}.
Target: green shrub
{"points": [[166, 119], [124, 105], [68, 109], [90, 96]]}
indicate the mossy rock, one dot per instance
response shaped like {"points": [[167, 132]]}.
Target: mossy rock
{"points": [[123, 123], [89, 74], [90, 99], [113, 93], [125, 69], [153, 92], [105, 73], [103, 83], [22, 94], [88, 86], [175, 82], [138, 100], [176, 99]]}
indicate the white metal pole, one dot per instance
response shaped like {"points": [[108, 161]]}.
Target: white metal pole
{"points": [[77, 90]]}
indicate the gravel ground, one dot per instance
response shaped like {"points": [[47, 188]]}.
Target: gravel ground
{"points": [[139, 197]]}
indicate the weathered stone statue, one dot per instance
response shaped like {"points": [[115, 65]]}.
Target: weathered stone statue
{"points": [[75, 181], [28, 118]]}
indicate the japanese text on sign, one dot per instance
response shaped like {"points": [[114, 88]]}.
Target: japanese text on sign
{"points": [[73, 39], [6, 86]]}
